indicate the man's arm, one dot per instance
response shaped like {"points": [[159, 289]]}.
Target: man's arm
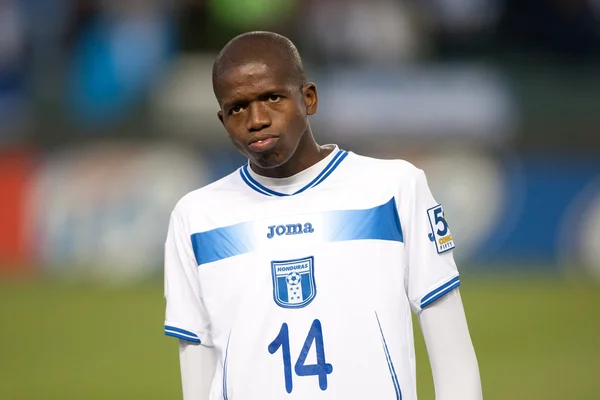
{"points": [[198, 365], [451, 354]]}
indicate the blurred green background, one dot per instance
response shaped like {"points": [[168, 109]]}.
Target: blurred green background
{"points": [[536, 338]]}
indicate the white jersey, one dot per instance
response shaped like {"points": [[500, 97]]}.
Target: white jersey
{"points": [[305, 285]]}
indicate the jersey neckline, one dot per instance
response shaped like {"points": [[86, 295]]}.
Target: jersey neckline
{"points": [[246, 176]]}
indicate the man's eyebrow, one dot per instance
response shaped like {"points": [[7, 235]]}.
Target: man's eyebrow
{"points": [[275, 89], [233, 102]]}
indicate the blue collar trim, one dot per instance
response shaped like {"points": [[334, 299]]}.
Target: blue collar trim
{"points": [[324, 174]]}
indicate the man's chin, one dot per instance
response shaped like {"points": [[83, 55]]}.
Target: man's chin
{"points": [[268, 160], [269, 165]]}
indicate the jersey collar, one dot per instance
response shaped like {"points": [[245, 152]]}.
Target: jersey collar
{"points": [[336, 160]]}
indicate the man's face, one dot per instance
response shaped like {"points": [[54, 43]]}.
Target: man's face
{"points": [[264, 114]]}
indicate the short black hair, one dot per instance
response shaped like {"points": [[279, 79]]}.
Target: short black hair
{"points": [[263, 46]]}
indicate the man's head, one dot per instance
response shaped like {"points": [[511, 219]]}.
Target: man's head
{"points": [[259, 82]]}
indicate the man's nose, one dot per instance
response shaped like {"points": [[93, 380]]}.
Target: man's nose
{"points": [[258, 117]]}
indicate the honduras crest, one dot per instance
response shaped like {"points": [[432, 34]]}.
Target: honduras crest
{"points": [[293, 282]]}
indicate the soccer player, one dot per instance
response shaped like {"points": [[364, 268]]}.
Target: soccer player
{"points": [[294, 277]]}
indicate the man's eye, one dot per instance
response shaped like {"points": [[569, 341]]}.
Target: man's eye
{"points": [[273, 98], [236, 110]]}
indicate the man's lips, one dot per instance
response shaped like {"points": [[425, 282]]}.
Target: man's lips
{"points": [[259, 145]]}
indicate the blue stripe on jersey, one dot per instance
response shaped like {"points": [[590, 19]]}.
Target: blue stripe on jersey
{"points": [[181, 334], [377, 223], [440, 291], [221, 243], [246, 178], [255, 185], [339, 157], [258, 187], [225, 368], [390, 362]]}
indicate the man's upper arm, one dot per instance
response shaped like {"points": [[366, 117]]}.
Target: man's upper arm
{"points": [[186, 316], [431, 271]]}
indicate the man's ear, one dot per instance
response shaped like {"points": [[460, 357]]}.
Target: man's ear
{"points": [[220, 116], [311, 98]]}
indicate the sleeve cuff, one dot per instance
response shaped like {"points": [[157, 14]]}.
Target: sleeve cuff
{"points": [[440, 291], [181, 334]]}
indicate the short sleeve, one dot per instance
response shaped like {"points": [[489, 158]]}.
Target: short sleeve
{"points": [[431, 270], [186, 316]]}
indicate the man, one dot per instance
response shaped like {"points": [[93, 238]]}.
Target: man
{"points": [[294, 277]]}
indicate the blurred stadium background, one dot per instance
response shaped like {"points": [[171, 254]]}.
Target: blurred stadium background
{"points": [[107, 118]]}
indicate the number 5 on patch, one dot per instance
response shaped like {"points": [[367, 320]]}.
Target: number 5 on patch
{"points": [[439, 229]]}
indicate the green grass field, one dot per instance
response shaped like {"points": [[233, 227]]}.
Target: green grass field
{"points": [[536, 338]]}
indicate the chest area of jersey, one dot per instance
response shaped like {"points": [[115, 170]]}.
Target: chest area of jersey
{"points": [[284, 229]]}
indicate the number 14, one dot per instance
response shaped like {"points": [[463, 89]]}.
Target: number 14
{"points": [[321, 368]]}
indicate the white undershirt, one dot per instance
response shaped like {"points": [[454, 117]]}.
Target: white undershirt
{"points": [[296, 182]]}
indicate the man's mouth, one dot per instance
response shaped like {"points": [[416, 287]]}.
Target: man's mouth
{"points": [[264, 144]]}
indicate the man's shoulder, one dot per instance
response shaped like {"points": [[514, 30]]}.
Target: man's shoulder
{"points": [[395, 169], [209, 195]]}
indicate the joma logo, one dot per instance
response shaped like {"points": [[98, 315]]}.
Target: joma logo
{"points": [[289, 229]]}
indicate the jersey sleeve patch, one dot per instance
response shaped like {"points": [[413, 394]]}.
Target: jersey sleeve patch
{"points": [[440, 232]]}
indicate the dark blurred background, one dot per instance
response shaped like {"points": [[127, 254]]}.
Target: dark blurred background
{"points": [[107, 118]]}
